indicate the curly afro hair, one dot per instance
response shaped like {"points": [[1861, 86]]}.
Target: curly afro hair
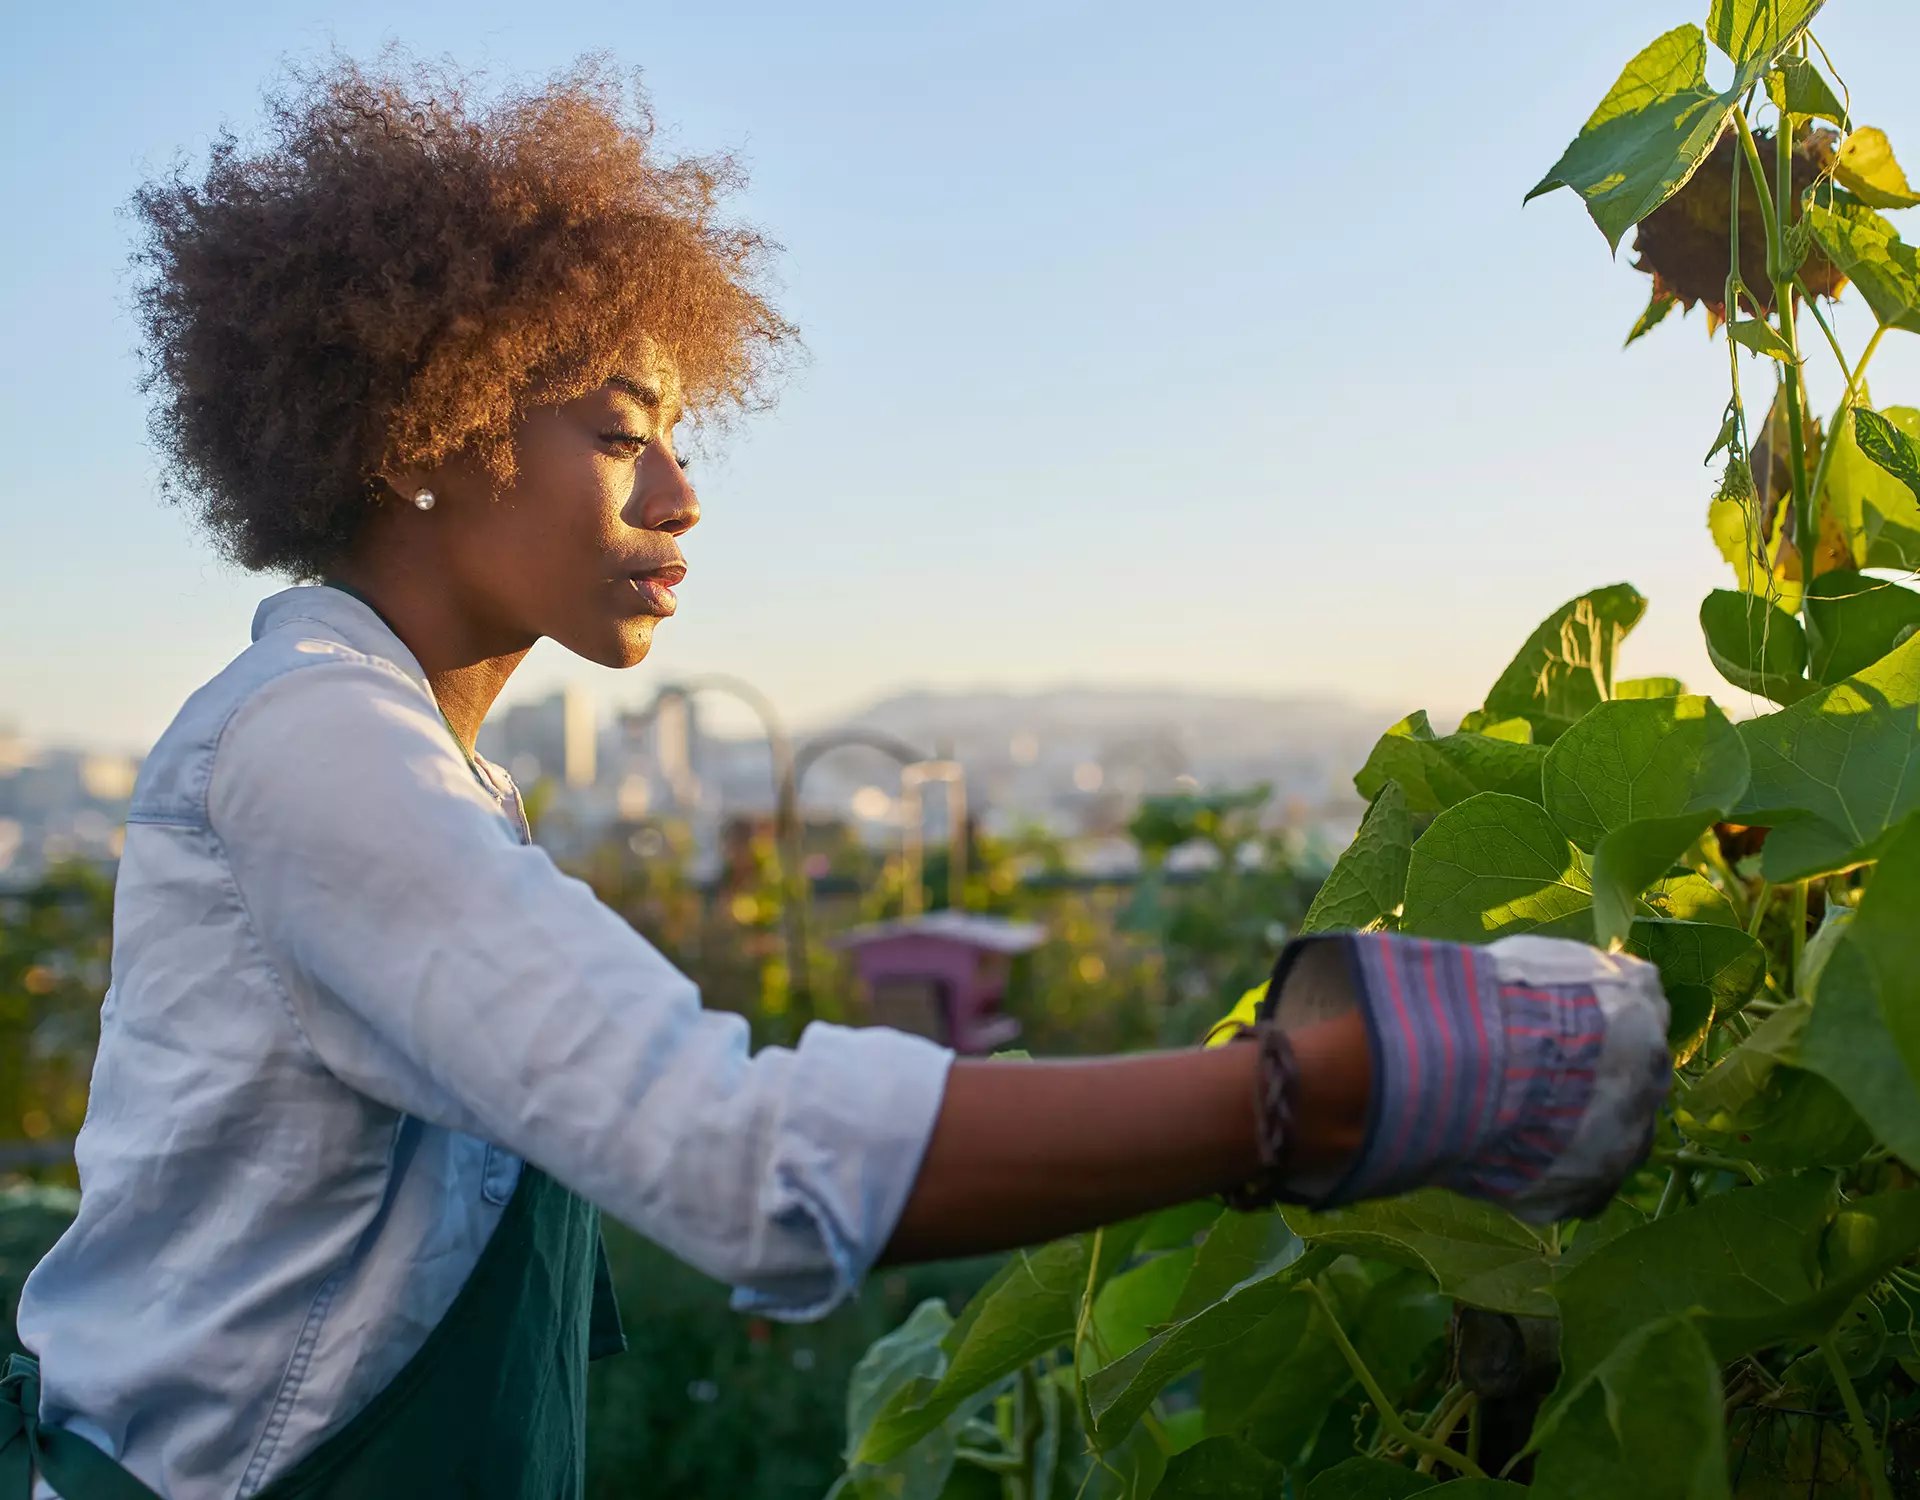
{"points": [[398, 274]]}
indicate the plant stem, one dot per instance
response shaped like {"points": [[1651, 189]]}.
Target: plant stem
{"points": [[1862, 1433], [1669, 1193], [1731, 885], [1799, 934], [1758, 172], [1390, 1419], [1453, 1406], [1813, 307], [1847, 397], [1708, 1161], [1081, 1324], [1761, 897]]}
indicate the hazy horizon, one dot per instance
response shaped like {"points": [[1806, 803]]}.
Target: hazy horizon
{"points": [[1219, 355]]}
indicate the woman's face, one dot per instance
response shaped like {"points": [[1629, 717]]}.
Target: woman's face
{"points": [[583, 547]]}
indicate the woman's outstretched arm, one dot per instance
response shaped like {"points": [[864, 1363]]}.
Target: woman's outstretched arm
{"points": [[1024, 1152]]}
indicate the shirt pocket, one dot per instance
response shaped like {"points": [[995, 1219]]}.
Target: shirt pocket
{"points": [[500, 1175]]}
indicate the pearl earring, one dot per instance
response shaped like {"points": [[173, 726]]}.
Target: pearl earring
{"points": [[423, 499]]}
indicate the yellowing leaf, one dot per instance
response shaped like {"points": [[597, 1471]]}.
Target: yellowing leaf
{"points": [[1865, 167]]}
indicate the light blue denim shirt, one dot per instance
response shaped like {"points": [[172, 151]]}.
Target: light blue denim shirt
{"points": [[349, 997]]}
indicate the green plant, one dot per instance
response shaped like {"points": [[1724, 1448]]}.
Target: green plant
{"points": [[1744, 1319]]}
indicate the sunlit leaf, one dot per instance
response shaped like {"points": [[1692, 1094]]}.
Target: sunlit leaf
{"points": [[1566, 666], [1754, 32], [1649, 687], [1836, 771], [1646, 137], [1658, 306], [1633, 759], [1751, 333], [1797, 87], [1886, 445], [1878, 513], [1436, 771], [1491, 866], [1865, 167], [1366, 883], [1873, 257]]}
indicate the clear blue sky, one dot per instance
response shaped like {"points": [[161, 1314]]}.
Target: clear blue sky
{"points": [[1208, 346]]}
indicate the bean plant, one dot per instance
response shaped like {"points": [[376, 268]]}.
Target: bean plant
{"points": [[1744, 1318]]}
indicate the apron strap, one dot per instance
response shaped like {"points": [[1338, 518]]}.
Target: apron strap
{"points": [[71, 1464]]}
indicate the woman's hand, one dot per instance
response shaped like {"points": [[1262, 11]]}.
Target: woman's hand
{"points": [[1528, 1072]]}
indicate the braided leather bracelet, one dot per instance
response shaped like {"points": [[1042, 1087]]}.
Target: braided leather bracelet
{"points": [[1276, 1081]]}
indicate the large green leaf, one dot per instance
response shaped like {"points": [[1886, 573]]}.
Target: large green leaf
{"points": [[1118, 1392], [1754, 32], [1491, 866], [1131, 1305], [1660, 118], [912, 1351], [1757, 1103], [1438, 771], [1655, 126], [1367, 882], [1868, 251], [1642, 758], [1029, 1307], [1876, 512], [1238, 1250], [1834, 772], [1853, 621], [1633, 857], [1885, 931], [1850, 1044], [1476, 1253], [1797, 87], [1646, 1421], [1566, 666], [1222, 1468], [1755, 645], [1724, 961], [1755, 1263]]}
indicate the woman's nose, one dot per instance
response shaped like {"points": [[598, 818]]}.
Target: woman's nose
{"points": [[667, 500]]}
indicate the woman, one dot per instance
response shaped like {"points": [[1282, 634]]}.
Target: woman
{"points": [[370, 1066]]}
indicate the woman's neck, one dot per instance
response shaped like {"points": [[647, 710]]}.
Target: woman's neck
{"points": [[464, 663]]}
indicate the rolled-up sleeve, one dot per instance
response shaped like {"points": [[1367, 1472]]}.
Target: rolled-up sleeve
{"points": [[437, 964]]}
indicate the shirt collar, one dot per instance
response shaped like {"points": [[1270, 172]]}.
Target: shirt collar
{"points": [[361, 628], [346, 617]]}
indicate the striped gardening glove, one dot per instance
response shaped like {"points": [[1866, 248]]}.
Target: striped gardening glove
{"points": [[1527, 1072]]}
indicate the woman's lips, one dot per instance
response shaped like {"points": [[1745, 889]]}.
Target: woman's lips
{"points": [[652, 593]]}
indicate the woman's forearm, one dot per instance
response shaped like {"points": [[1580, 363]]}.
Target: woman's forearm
{"points": [[1024, 1152]]}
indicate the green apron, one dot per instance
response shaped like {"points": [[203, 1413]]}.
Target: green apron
{"points": [[492, 1405]]}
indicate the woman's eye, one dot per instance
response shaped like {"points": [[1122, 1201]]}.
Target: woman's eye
{"points": [[628, 442]]}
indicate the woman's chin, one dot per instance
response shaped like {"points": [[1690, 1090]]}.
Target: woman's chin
{"points": [[626, 645]]}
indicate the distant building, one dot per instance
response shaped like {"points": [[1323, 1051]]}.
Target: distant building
{"points": [[555, 737]]}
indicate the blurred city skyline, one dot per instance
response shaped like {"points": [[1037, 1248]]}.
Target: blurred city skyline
{"points": [[1218, 355]]}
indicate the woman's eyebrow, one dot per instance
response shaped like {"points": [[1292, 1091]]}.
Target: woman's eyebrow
{"points": [[647, 395]]}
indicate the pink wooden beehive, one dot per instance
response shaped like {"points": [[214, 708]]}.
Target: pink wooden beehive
{"points": [[943, 974]]}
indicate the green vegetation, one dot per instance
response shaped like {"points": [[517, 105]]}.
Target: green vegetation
{"points": [[1742, 1319]]}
